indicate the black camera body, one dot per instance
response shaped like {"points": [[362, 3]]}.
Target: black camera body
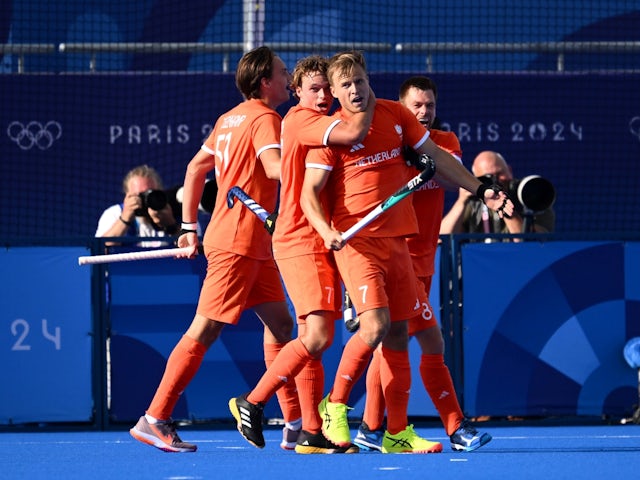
{"points": [[532, 193], [154, 199], [159, 199]]}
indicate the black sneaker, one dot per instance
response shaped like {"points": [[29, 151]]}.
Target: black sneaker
{"points": [[250, 418], [318, 443]]}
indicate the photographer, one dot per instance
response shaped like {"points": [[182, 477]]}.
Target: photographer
{"points": [[144, 212], [468, 215]]}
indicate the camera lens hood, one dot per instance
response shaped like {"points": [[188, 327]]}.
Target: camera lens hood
{"points": [[536, 193]]}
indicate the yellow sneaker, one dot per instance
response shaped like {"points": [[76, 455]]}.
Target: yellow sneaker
{"points": [[334, 422], [408, 441]]}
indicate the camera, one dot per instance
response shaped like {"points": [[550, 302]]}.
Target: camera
{"points": [[533, 192], [154, 199]]}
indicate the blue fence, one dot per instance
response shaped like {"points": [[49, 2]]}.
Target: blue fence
{"points": [[403, 21]]}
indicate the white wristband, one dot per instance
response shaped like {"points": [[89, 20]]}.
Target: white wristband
{"points": [[189, 226]]}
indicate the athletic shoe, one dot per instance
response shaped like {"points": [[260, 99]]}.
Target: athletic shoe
{"points": [[408, 441], [318, 443], [467, 439], [368, 439], [249, 418], [289, 438], [161, 435], [334, 422]]}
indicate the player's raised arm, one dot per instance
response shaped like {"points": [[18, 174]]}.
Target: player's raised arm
{"points": [[315, 179]]}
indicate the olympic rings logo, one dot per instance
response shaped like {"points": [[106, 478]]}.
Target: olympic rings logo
{"points": [[34, 134]]}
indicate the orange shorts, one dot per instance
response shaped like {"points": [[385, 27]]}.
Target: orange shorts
{"points": [[312, 283], [427, 317], [377, 272], [235, 283]]}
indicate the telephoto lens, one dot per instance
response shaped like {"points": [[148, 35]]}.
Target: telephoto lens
{"points": [[534, 192]]}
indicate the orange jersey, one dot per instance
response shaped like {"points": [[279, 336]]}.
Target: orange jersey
{"points": [[237, 139], [428, 202], [364, 175], [302, 129]]}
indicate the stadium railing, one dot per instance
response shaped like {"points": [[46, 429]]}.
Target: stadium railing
{"points": [[561, 49]]}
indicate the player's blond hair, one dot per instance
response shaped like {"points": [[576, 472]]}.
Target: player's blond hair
{"points": [[343, 64]]}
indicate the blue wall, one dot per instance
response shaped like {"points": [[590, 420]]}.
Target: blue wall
{"points": [[66, 141]]}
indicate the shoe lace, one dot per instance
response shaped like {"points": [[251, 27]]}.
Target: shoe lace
{"points": [[467, 428], [339, 415], [170, 428]]}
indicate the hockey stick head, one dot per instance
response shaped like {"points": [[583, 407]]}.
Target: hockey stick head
{"points": [[425, 175], [429, 168], [231, 196]]}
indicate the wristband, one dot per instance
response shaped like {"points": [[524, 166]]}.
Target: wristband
{"points": [[189, 226], [186, 230], [128, 224]]}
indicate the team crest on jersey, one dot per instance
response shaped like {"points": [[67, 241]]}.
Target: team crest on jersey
{"points": [[398, 129]]}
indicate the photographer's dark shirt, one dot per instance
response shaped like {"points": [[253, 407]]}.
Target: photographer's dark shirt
{"points": [[472, 221]]}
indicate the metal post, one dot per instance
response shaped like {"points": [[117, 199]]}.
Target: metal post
{"points": [[253, 24]]}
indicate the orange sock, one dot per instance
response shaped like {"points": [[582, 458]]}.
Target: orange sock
{"points": [[437, 380], [182, 365], [395, 375], [286, 392], [355, 357], [310, 383], [374, 404], [287, 363]]}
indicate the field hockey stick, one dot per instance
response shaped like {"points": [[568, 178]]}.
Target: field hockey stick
{"points": [[250, 203], [131, 256], [406, 190], [268, 219]]}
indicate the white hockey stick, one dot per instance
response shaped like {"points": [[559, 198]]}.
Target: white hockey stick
{"points": [[131, 256]]}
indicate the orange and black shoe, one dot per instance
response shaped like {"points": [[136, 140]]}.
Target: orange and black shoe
{"points": [[317, 443]]}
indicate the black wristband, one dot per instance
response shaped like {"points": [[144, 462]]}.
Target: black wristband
{"points": [[480, 192], [128, 224], [186, 230]]}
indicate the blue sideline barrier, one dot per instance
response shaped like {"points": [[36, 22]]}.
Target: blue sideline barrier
{"points": [[46, 346], [546, 339]]}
